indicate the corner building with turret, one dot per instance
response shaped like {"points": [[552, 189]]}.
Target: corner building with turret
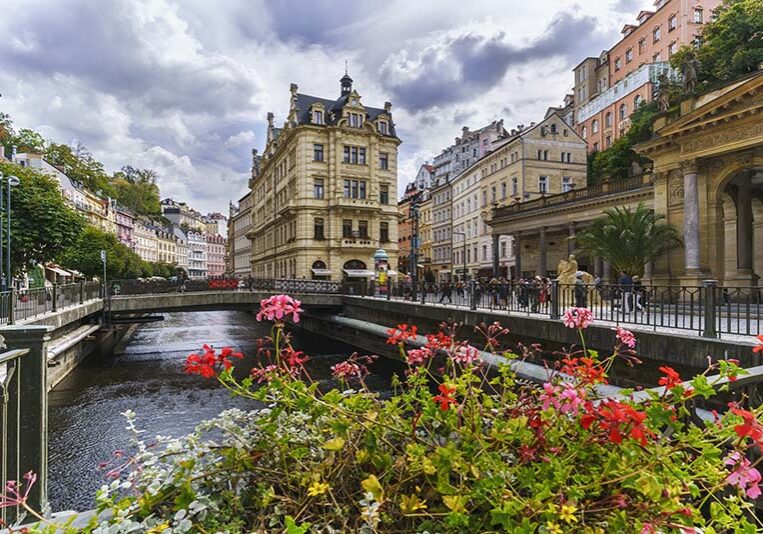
{"points": [[324, 190]]}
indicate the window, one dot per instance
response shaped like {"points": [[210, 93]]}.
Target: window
{"points": [[672, 23], [608, 120], [503, 190], [317, 117], [317, 152], [623, 111], [656, 57], [618, 63], [484, 199], [545, 155], [637, 101], [595, 126], [641, 45], [629, 55], [553, 128], [673, 48], [566, 183], [542, 184], [514, 186], [503, 249], [383, 232], [383, 160], [383, 194], [584, 132], [362, 156], [347, 188], [318, 188], [346, 227], [484, 252], [354, 154], [318, 229], [608, 141], [361, 188], [595, 147], [540, 154], [363, 229], [383, 127], [698, 16], [356, 120], [493, 194], [656, 34], [346, 154]]}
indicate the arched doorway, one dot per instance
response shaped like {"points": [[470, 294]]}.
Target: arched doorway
{"points": [[355, 270], [320, 271]]}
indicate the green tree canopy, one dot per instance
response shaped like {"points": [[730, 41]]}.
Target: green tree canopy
{"points": [[80, 165], [42, 224], [731, 44], [628, 239], [85, 256], [136, 189]]}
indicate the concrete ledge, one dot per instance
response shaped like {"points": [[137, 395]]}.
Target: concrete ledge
{"points": [[66, 316], [210, 300]]}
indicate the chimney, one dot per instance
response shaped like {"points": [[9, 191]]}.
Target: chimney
{"points": [[293, 88], [387, 107]]}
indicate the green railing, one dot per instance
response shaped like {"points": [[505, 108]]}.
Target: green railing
{"points": [[21, 304]]}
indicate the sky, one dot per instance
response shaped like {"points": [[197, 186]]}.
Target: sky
{"points": [[184, 86]]}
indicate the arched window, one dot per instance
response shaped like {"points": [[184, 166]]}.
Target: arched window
{"points": [[584, 133], [608, 120], [637, 102], [623, 111], [595, 126]]}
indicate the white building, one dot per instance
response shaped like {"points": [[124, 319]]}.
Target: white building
{"points": [[145, 241], [238, 262], [197, 254], [181, 249], [468, 232]]}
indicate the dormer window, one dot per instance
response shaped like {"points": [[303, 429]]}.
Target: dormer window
{"points": [[318, 116], [383, 127], [355, 120]]}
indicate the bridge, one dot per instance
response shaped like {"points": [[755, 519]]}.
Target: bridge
{"points": [[40, 327]]}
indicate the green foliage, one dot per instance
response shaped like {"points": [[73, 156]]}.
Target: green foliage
{"points": [[81, 166], [85, 256], [732, 43], [27, 140], [628, 239], [136, 189], [616, 162], [42, 224], [484, 455]]}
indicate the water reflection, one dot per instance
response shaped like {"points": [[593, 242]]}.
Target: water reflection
{"points": [[85, 422]]}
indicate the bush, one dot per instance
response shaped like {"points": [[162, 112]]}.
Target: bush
{"points": [[455, 449]]}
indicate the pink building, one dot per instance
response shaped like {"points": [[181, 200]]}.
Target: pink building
{"points": [[125, 227], [608, 88], [215, 255]]}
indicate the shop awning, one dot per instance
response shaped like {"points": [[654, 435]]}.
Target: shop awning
{"points": [[391, 272], [322, 272], [59, 271], [358, 273]]}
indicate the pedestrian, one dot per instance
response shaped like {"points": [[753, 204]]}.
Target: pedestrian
{"points": [[447, 291], [581, 291], [638, 293], [625, 285]]}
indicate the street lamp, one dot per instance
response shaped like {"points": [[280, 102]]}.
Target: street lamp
{"points": [[12, 181], [462, 234]]}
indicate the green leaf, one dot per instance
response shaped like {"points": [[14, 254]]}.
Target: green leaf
{"points": [[373, 486], [335, 444], [293, 528]]}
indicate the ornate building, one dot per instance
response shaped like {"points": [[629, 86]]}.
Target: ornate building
{"points": [[238, 254], [323, 191]]}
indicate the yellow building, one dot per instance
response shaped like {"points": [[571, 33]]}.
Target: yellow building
{"points": [[323, 191], [425, 233], [166, 246]]}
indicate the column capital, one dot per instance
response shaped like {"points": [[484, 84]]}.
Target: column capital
{"points": [[689, 166]]}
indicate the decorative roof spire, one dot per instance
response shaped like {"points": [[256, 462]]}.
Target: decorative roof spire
{"points": [[345, 82]]}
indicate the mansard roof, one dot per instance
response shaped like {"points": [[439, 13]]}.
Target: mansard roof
{"points": [[333, 110]]}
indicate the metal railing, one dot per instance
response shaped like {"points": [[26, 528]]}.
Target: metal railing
{"points": [[707, 310], [20, 304], [283, 285]]}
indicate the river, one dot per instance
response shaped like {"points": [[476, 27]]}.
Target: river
{"points": [[86, 425]]}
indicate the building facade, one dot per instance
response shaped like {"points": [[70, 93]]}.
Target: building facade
{"points": [[145, 241], [166, 246], [323, 189], [238, 258], [215, 255], [180, 214], [467, 149], [125, 221], [441, 228], [197, 254], [608, 88], [181, 249]]}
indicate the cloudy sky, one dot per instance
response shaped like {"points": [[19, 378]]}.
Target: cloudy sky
{"points": [[183, 86]]}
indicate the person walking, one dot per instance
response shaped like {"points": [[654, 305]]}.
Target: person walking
{"points": [[581, 291], [638, 293], [447, 291], [625, 284]]}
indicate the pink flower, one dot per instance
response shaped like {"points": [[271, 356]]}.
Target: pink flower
{"points": [[13, 496], [744, 476], [418, 356], [466, 355], [346, 370], [577, 318], [264, 374], [625, 337], [279, 306], [565, 399]]}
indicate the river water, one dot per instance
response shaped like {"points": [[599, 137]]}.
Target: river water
{"points": [[86, 425]]}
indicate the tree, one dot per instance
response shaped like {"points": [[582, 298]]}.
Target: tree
{"points": [[80, 165], [136, 189], [85, 256], [628, 239], [27, 140], [42, 224], [731, 45]]}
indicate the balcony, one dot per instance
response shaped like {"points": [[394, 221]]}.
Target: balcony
{"points": [[358, 203]]}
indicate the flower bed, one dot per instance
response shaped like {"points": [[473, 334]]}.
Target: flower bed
{"points": [[455, 449]]}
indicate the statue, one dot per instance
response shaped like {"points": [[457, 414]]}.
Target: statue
{"points": [[567, 269], [567, 275], [662, 93], [690, 72]]}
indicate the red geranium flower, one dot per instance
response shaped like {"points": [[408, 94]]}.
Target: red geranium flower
{"points": [[671, 378], [750, 426], [401, 334], [445, 398], [759, 348]]}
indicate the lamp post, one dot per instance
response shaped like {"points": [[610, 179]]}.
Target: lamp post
{"points": [[2, 277], [11, 181], [414, 260]]}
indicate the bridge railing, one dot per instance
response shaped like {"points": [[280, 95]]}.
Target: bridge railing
{"points": [[282, 285], [20, 304]]}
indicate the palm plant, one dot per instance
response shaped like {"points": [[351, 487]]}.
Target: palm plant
{"points": [[628, 239]]}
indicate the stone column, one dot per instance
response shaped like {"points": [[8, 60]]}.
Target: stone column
{"points": [[744, 224], [496, 255], [542, 252], [598, 266], [607, 276], [571, 239], [648, 269], [691, 216], [517, 255]]}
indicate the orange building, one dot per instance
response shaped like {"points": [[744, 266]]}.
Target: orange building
{"points": [[610, 87]]}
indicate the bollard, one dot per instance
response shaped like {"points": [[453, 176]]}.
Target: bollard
{"points": [[12, 306], [709, 290], [472, 294], [555, 299], [55, 297]]}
